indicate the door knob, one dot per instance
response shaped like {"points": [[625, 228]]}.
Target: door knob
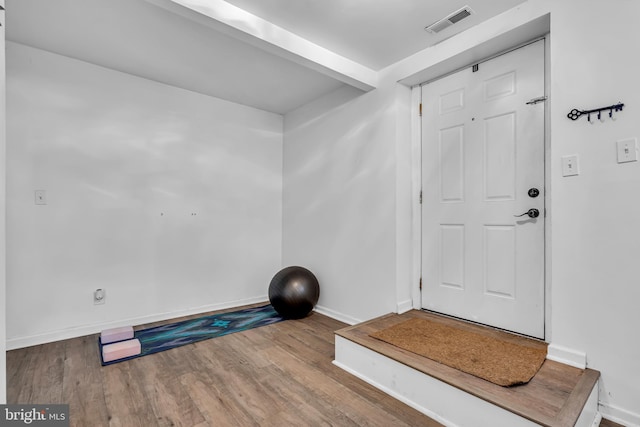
{"points": [[532, 213]]}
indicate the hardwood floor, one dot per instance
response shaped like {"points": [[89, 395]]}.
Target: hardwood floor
{"points": [[275, 375], [607, 423]]}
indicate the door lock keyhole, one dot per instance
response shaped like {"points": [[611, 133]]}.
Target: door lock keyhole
{"points": [[533, 192]]}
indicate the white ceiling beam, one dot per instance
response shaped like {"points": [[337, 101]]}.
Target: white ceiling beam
{"points": [[240, 24]]}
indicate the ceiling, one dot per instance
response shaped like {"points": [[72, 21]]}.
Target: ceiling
{"points": [[275, 55], [375, 33]]}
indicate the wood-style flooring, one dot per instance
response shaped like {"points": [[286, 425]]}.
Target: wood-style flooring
{"points": [[276, 375], [607, 423]]}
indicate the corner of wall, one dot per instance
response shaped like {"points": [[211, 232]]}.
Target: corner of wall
{"points": [[405, 191]]}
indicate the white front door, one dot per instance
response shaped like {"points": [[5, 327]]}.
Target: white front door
{"points": [[482, 165]]}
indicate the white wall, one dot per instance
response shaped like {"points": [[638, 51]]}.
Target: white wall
{"points": [[126, 163], [344, 165], [595, 222], [339, 200]]}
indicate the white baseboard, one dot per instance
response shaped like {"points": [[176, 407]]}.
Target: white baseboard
{"points": [[568, 356], [80, 331], [337, 315], [619, 415], [404, 306]]}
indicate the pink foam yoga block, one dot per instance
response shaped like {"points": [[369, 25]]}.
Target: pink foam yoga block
{"points": [[120, 350], [116, 334]]}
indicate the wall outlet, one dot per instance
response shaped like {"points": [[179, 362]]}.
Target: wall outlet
{"points": [[99, 296]]}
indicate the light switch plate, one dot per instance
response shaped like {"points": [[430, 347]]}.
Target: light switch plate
{"points": [[41, 197], [627, 150], [570, 165]]}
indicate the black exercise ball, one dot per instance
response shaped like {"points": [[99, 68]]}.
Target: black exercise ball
{"points": [[293, 292]]}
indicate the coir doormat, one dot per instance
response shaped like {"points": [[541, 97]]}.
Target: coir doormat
{"points": [[504, 361]]}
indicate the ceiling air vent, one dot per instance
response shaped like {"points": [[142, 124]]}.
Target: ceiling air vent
{"points": [[449, 20]]}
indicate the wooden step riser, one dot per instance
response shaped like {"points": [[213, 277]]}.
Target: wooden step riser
{"points": [[434, 398]]}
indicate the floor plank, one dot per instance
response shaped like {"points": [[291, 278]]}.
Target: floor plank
{"points": [[276, 375], [607, 423]]}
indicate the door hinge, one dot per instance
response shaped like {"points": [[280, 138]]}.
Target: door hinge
{"points": [[420, 283], [420, 109], [420, 197], [475, 68]]}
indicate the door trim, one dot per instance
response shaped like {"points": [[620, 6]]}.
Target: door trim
{"points": [[489, 58]]}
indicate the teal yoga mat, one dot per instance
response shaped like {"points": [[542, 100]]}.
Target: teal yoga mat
{"points": [[160, 338]]}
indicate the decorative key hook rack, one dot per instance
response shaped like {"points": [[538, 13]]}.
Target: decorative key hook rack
{"points": [[575, 113]]}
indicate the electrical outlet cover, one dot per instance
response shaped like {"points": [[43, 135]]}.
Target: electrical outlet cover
{"points": [[99, 296]]}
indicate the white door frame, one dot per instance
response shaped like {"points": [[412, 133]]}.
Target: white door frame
{"points": [[416, 185]]}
